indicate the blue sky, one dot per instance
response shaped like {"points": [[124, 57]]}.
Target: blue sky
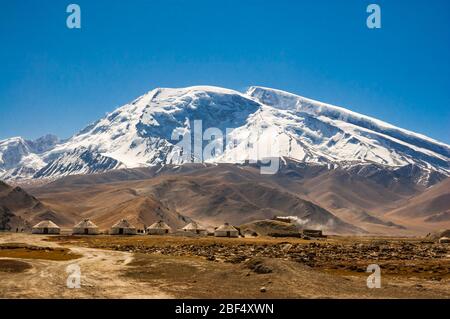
{"points": [[56, 80]]}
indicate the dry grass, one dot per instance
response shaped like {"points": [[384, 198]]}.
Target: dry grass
{"points": [[13, 266], [166, 241], [22, 251]]}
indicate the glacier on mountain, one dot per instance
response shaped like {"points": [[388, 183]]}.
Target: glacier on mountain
{"points": [[141, 134]]}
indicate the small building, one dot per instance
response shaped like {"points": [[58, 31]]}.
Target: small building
{"points": [[195, 229], [46, 227], [315, 233], [444, 240], [249, 233], [85, 227], [226, 230], [123, 227], [158, 228]]}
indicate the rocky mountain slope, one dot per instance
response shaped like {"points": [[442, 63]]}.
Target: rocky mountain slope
{"points": [[431, 206], [330, 199], [19, 209]]}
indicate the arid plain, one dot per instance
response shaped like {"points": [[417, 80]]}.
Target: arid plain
{"points": [[34, 266]]}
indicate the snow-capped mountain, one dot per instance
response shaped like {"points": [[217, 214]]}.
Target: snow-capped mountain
{"points": [[22, 158], [276, 123], [321, 132]]}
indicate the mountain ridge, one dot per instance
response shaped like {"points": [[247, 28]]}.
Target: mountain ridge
{"points": [[141, 134]]}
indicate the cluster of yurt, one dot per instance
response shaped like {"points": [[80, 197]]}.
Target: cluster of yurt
{"points": [[85, 227], [46, 227], [159, 228], [123, 227]]}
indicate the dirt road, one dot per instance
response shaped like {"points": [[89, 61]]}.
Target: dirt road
{"points": [[100, 275]]}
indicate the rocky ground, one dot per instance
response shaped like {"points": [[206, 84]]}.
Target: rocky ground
{"points": [[404, 257], [34, 266]]}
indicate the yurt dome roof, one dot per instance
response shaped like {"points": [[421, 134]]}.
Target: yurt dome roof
{"points": [[159, 225], [86, 223], [226, 227], [193, 226], [46, 224], [123, 223]]}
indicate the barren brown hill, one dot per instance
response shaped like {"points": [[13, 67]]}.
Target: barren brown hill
{"points": [[214, 196], [205, 200], [210, 194], [334, 199], [431, 206], [358, 199], [105, 204], [18, 209]]}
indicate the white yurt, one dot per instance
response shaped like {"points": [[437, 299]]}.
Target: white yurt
{"points": [[123, 227], [195, 229], [46, 227], [85, 227], [158, 228], [226, 230]]}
